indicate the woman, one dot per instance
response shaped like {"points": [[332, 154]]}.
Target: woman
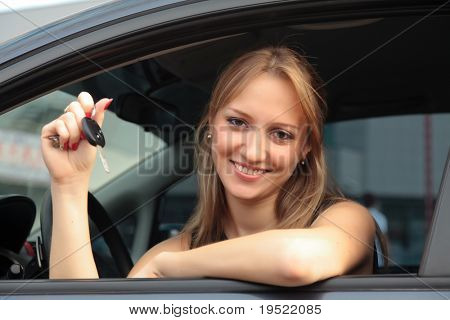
{"points": [[265, 212]]}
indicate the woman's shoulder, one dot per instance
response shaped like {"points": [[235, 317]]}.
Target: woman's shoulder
{"points": [[348, 213]]}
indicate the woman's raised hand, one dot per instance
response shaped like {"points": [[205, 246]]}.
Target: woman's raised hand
{"points": [[77, 159]]}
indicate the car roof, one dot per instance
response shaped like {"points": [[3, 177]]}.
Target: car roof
{"points": [[112, 12], [72, 25]]}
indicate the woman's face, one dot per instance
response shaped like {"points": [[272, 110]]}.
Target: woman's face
{"points": [[259, 138]]}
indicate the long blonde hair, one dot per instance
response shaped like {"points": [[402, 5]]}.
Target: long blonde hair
{"points": [[307, 192]]}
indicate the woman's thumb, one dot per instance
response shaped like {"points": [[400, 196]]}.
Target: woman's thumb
{"points": [[100, 108]]}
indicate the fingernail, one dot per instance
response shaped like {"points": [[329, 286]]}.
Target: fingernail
{"points": [[74, 146], [88, 114], [66, 146], [82, 136], [107, 104]]}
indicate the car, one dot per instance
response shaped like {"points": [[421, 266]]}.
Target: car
{"points": [[385, 66]]}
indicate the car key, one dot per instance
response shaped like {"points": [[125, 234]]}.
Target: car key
{"points": [[94, 135]]}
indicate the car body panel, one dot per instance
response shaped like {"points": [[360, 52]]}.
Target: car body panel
{"points": [[347, 287]]}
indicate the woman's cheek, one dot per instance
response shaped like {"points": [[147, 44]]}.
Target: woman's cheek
{"points": [[283, 158], [221, 151], [227, 142], [220, 144]]}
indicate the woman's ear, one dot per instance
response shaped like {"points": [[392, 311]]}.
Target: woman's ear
{"points": [[305, 143], [210, 122], [305, 151], [305, 148]]}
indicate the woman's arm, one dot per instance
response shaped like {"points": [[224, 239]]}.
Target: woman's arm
{"points": [[71, 251], [339, 241], [71, 255]]}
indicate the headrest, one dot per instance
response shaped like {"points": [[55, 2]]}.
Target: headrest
{"points": [[155, 115], [17, 214], [144, 111]]}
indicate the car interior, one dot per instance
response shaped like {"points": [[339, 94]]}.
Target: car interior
{"points": [[386, 135]]}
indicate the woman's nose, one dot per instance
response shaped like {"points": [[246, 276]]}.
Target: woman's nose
{"points": [[254, 148]]}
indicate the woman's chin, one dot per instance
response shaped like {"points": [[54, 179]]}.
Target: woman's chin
{"points": [[244, 192]]}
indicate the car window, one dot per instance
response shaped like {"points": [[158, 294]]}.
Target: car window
{"points": [[384, 158], [395, 163], [22, 169]]}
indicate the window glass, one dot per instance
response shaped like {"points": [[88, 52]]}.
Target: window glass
{"points": [[395, 163], [22, 169]]}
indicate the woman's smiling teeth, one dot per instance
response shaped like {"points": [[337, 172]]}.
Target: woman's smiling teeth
{"points": [[247, 170]]}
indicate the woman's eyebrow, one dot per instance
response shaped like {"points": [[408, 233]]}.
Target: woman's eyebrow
{"points": [[242, 113], [271, 124], [282, 124]]}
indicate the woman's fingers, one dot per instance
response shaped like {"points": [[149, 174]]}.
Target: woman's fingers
{"points": [[72, 126], [68, 126], [62, 131], [56, 127], [86, 102], [100, 108], [78, 111]]}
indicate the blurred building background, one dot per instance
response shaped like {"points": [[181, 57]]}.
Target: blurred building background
{"points": [[399, 161]]}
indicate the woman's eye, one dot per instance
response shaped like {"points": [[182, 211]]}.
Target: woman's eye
{"points": [[236, 122], [282, 135]]}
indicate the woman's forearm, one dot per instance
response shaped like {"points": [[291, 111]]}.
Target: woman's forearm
{"points": [[263, 257], [71, 251], [339, 243]]}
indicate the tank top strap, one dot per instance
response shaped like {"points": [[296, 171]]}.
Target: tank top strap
{"points": [[222, 237]]}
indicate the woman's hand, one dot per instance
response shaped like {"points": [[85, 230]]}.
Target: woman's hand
{"points": [[77, 159], [163, 264], [150, 269]]}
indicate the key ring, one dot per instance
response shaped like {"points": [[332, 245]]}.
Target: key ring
{"points": [[55, 139], [55, 142]]}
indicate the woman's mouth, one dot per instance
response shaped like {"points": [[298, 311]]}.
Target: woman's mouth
{"points": [[248, 171]]}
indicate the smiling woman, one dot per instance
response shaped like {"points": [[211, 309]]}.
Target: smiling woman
{"points": [[265, 113], [266, 212], [261, 172]]}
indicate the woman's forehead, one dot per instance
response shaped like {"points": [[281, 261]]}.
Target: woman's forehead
{"points": [[268, 98]]}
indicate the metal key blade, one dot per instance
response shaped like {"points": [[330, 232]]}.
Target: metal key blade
{"points": [[103, 159]]}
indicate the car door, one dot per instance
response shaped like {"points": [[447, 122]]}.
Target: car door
{"points": [[118, 34]]}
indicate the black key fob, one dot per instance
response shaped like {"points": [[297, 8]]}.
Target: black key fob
{"points": [[93, 132]]}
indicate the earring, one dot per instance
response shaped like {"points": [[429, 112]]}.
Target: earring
{"points": [[303, 162], [209, 136]]}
